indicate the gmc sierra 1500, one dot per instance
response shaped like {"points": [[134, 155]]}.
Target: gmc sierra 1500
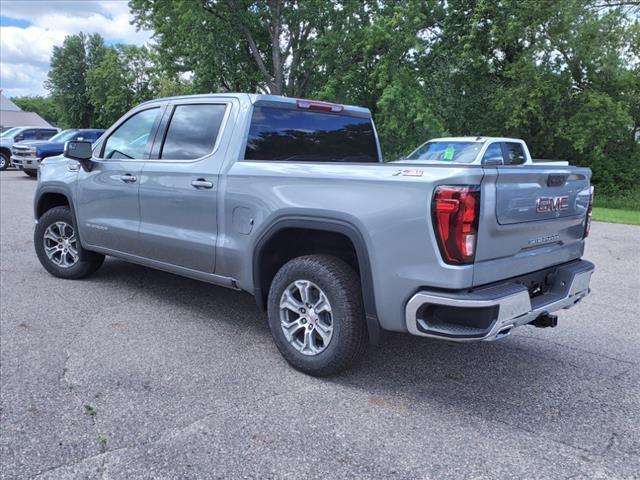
{"points": [[290, 200]]}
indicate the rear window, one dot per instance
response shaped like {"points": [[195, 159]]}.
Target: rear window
{"points": [[192, 131], [304, 136], [443, 151], [514, 153]]}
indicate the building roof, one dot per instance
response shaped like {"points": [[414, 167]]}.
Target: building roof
{"points": [[12, 118], [6, 104]]}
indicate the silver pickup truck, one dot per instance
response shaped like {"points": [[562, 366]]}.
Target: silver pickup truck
{"points": [[289, 200]]}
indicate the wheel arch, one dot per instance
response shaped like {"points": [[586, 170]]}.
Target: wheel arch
{"points": [[333, 226], [50, 198]]}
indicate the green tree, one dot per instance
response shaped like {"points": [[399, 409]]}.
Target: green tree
{"points": [[561, 75], [121, 80], [243, 45], [67, 79]]}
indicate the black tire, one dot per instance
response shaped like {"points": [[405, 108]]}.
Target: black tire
{"points": [[341, 285], [5, 161], [87, 262], [31, 173]]}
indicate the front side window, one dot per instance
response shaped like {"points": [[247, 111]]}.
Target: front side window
{"points": [[447, 151], [192, 131], [130, 138], [28, 135], [493, 155], [514, 153], [304, 136]]}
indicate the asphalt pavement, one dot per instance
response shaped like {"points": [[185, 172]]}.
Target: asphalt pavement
{"points": [[134, 373]]}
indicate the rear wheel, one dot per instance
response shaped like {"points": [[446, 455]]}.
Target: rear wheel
{"points": [[31, 173], [58, 246], [4, 161], [316, 315]]}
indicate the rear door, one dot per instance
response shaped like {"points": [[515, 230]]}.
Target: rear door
{"points": [[178, 195], [533, 217]]}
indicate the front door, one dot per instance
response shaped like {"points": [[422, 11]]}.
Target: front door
{"points": [[178, 193], [108, 207]]}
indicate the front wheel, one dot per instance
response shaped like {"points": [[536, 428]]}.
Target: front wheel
{"points": [[58, 246], [4, 161], [316, 315], [31, 173]]}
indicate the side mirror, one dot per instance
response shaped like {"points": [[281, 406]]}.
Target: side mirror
{"points": [[80, 151], [18, 138]]}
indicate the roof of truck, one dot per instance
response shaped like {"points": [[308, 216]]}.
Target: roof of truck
{"points": [[479, 139], [257, 98]]}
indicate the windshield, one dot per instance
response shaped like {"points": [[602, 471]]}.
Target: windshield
{"points": [[63, 136], [443, 151], [8, 133]]}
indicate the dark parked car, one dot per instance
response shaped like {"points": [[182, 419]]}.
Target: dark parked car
{"points": [[28, 155]]}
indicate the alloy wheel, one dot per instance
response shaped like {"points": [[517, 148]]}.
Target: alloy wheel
{"points": [[306, 317], [61, 244]]}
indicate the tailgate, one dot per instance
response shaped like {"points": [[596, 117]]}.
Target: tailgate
{"points": [[532, 217]]}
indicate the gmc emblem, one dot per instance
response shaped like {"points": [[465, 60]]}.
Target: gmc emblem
{"points": [[551, 204]]}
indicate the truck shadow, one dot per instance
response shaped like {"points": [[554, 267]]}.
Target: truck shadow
{"points": [[525, 380]]}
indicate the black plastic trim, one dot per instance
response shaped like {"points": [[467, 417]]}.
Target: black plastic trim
{"points": [[330, 225]]}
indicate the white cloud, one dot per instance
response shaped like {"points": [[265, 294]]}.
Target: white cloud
{"points": [[25, 52]]}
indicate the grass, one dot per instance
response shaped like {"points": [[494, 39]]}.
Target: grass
{"points": [[614, 215], [618, 207]]}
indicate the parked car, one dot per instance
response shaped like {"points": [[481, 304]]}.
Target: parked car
{"points": [[29, 154], [20, 134], [290, 200], [477, 151]]}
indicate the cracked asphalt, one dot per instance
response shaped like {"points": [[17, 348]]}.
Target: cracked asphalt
{"points": [[134, 373]]}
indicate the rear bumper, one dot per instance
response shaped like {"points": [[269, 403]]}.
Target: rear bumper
{"points": [[28, 163], [491, 312]]}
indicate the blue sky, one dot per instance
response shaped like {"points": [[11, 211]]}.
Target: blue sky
{"points": [[30, 29]]}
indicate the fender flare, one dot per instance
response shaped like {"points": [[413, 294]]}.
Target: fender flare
{"points": [[331, 225], [59, 191]]}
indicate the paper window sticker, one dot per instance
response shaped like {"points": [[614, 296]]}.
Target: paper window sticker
{"points": [[448, 153]]}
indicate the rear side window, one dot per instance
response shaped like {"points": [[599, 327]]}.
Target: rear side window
{"points": [[513, 153], [192, 131], [304, 136]]}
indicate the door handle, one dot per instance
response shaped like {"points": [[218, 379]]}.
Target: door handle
{"points": [[201, 183], [128, 178]]}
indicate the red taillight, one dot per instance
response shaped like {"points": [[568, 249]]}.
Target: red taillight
{"points": [[587, 225], [319, 106], [456, 210]]}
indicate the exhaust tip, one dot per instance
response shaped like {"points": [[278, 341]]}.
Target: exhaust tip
{"points": [[504, 332]]}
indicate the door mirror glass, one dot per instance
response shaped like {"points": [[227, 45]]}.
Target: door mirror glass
{"points": [[78, 150]]}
